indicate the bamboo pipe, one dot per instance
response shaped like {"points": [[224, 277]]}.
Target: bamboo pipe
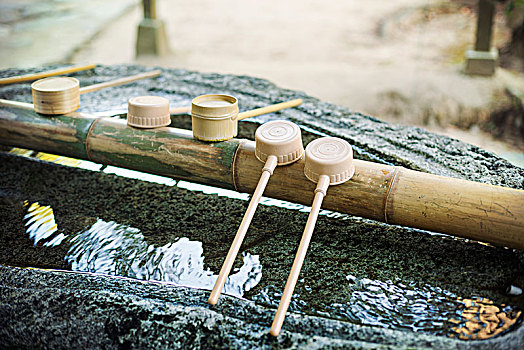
{"points": [[385, 193], [277, 143], [50, 73], [268, 109], [329, 161]]}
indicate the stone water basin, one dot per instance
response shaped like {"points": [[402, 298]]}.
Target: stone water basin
{"points": [[364, 283]]}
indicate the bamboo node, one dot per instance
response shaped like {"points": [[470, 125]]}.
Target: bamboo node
{"points": [[389, 191]]}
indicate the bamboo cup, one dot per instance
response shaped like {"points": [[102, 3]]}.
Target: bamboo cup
{"points": [[329, 161], [215, 117], [50, 73], [61, 95], [148, 112], [277, 143]]}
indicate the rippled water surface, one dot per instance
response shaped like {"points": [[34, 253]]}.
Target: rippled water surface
{"points": [[115, 249]]}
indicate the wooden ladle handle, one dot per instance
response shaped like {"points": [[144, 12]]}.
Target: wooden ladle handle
{"points": [[270, 165], [268, 109], [320, 193], [50, 73], [180, 110], [121, 81], [16, 104]]}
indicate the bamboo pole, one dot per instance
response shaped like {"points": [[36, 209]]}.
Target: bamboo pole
{"points": [[390, 194], [50, 73]]}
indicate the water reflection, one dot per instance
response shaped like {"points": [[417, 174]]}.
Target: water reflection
{"points": [[40, 225], [115, 249], [423, 308], [397, 305]]}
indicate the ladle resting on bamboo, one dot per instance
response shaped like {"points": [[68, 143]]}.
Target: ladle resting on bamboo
{"points": [[329, 161], [215, 117], [277, 143]]}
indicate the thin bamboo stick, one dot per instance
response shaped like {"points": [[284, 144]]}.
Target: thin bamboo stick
{"points": [[121, 81], [270, 165], [16, 104], [391, 194], [50, 73], [292, 279], [268, 109]]}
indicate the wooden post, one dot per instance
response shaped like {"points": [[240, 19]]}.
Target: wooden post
{"points": [[149, 9], [482, 60], [151, 37], [394, 195], [486, 12]]}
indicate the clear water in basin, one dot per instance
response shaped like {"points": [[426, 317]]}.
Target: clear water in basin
{"points": [[108, 247]]}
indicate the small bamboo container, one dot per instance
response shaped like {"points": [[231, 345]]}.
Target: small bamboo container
{"points": [[212, 117], [56, 95], [215, 117], [148, 112]]}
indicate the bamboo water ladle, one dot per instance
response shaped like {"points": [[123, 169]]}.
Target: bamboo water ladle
{"points": [[329, 161], [278, 142], [147, 112], [215, 117], [50, 73], [61, 95]]}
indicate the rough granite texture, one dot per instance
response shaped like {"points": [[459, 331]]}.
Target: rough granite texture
{"points": [[46, 309]]}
